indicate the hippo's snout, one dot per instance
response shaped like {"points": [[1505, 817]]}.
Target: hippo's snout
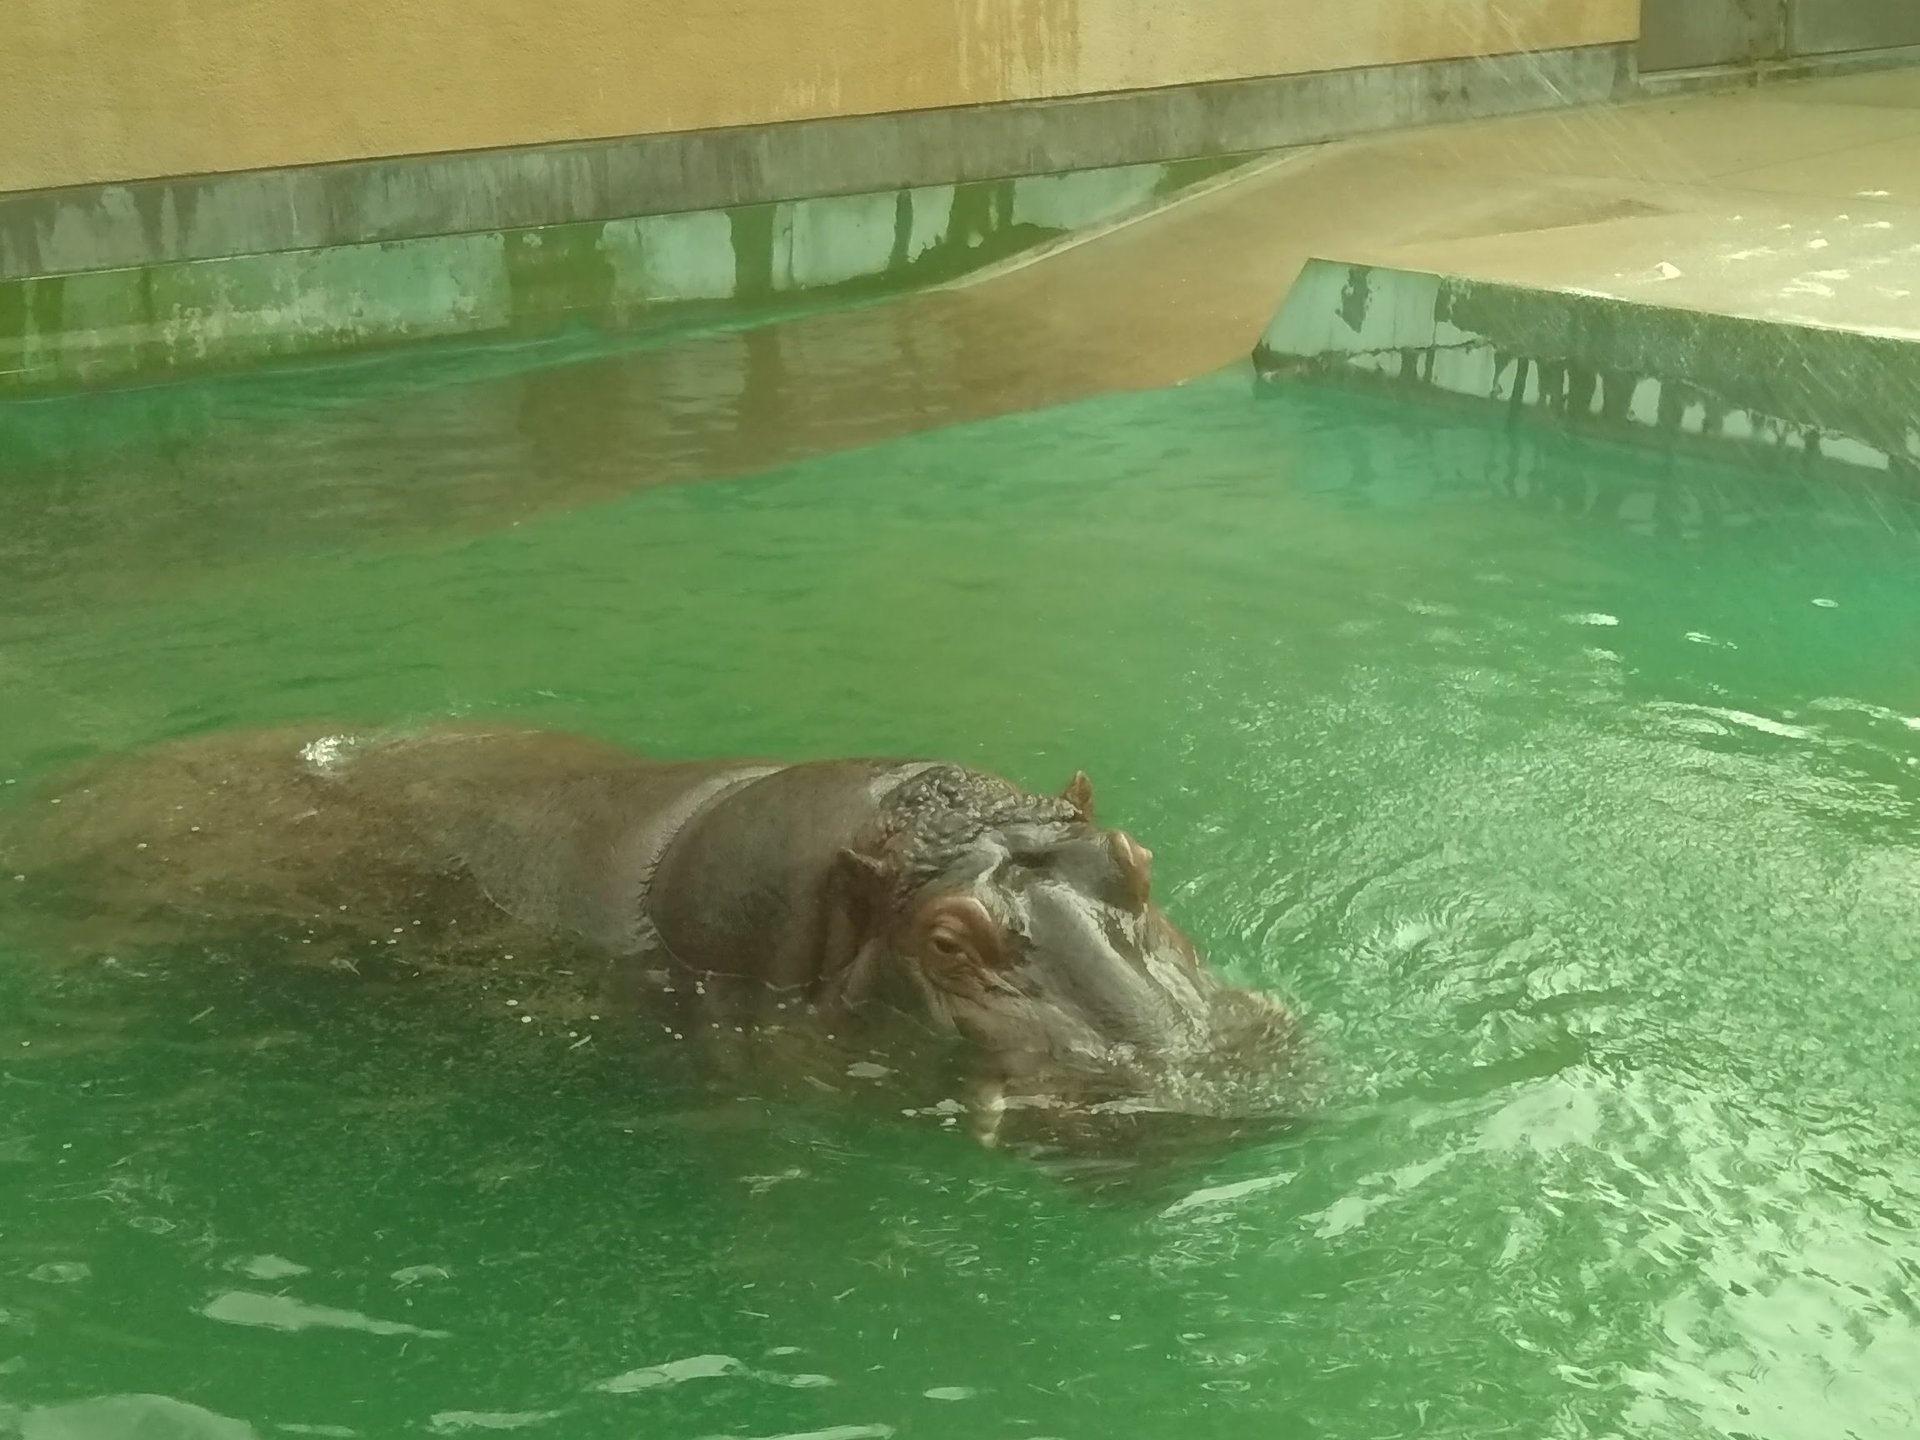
{"points": [[1240, 1059]]}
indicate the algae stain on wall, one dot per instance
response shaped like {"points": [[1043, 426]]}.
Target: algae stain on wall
{"points": [[690, 257], [640, 274], [1018, 49]]}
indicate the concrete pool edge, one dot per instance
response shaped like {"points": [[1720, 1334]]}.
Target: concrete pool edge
{"points": [[185, 275], [641, 274], [101, 226], [1743, 388]]}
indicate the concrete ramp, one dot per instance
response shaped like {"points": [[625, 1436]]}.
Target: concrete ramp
{"points": [[1785, 341]]}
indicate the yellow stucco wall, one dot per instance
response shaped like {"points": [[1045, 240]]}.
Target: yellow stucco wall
{"points": [[94, 90]]}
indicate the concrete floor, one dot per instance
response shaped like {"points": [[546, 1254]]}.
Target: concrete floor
{"points": [[1800, 201], [1800, 204], [1735, 276]]}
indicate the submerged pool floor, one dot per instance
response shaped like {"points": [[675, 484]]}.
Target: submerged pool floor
{"points": [[1572, 795]]}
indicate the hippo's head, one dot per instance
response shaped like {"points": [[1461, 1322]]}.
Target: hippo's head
{"points": [[1014, 928]]}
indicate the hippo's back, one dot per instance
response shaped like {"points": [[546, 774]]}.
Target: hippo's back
{"points": [[304, 825]]}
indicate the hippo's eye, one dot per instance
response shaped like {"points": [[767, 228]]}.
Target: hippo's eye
{"points": [[957, 932], [947, 946]]}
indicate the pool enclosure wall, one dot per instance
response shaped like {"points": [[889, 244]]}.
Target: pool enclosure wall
{"points": [[191, 187]]}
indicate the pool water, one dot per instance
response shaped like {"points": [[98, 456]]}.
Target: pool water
{"points": [[1571, 793]]}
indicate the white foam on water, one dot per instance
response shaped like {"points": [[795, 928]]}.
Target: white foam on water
{"points": [[283, 1312]]}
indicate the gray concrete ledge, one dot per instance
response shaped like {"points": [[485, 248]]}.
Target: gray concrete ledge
{"points": [[107, 227], [1777, 393], [643, 275], [1758, 74]]}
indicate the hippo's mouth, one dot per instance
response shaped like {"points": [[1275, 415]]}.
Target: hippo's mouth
{"points": [[1086, 1114], [1076, 1133], [1243, 1063], [1119, 1138]]}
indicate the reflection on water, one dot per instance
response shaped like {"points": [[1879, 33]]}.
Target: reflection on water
{"points": [[145, 488], [1571, 795]]}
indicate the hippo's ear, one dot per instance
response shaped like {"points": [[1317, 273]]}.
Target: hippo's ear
{"points": [[1079, 794], [858, 890], [865, 872], [865, 881]]}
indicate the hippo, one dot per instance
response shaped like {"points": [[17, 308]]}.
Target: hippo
{"points": [[900, 915]]}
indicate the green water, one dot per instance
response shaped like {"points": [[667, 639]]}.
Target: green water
{"points": [[1572, 795]]}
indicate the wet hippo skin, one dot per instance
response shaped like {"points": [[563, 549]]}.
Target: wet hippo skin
{"points": [[907, 913]]}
